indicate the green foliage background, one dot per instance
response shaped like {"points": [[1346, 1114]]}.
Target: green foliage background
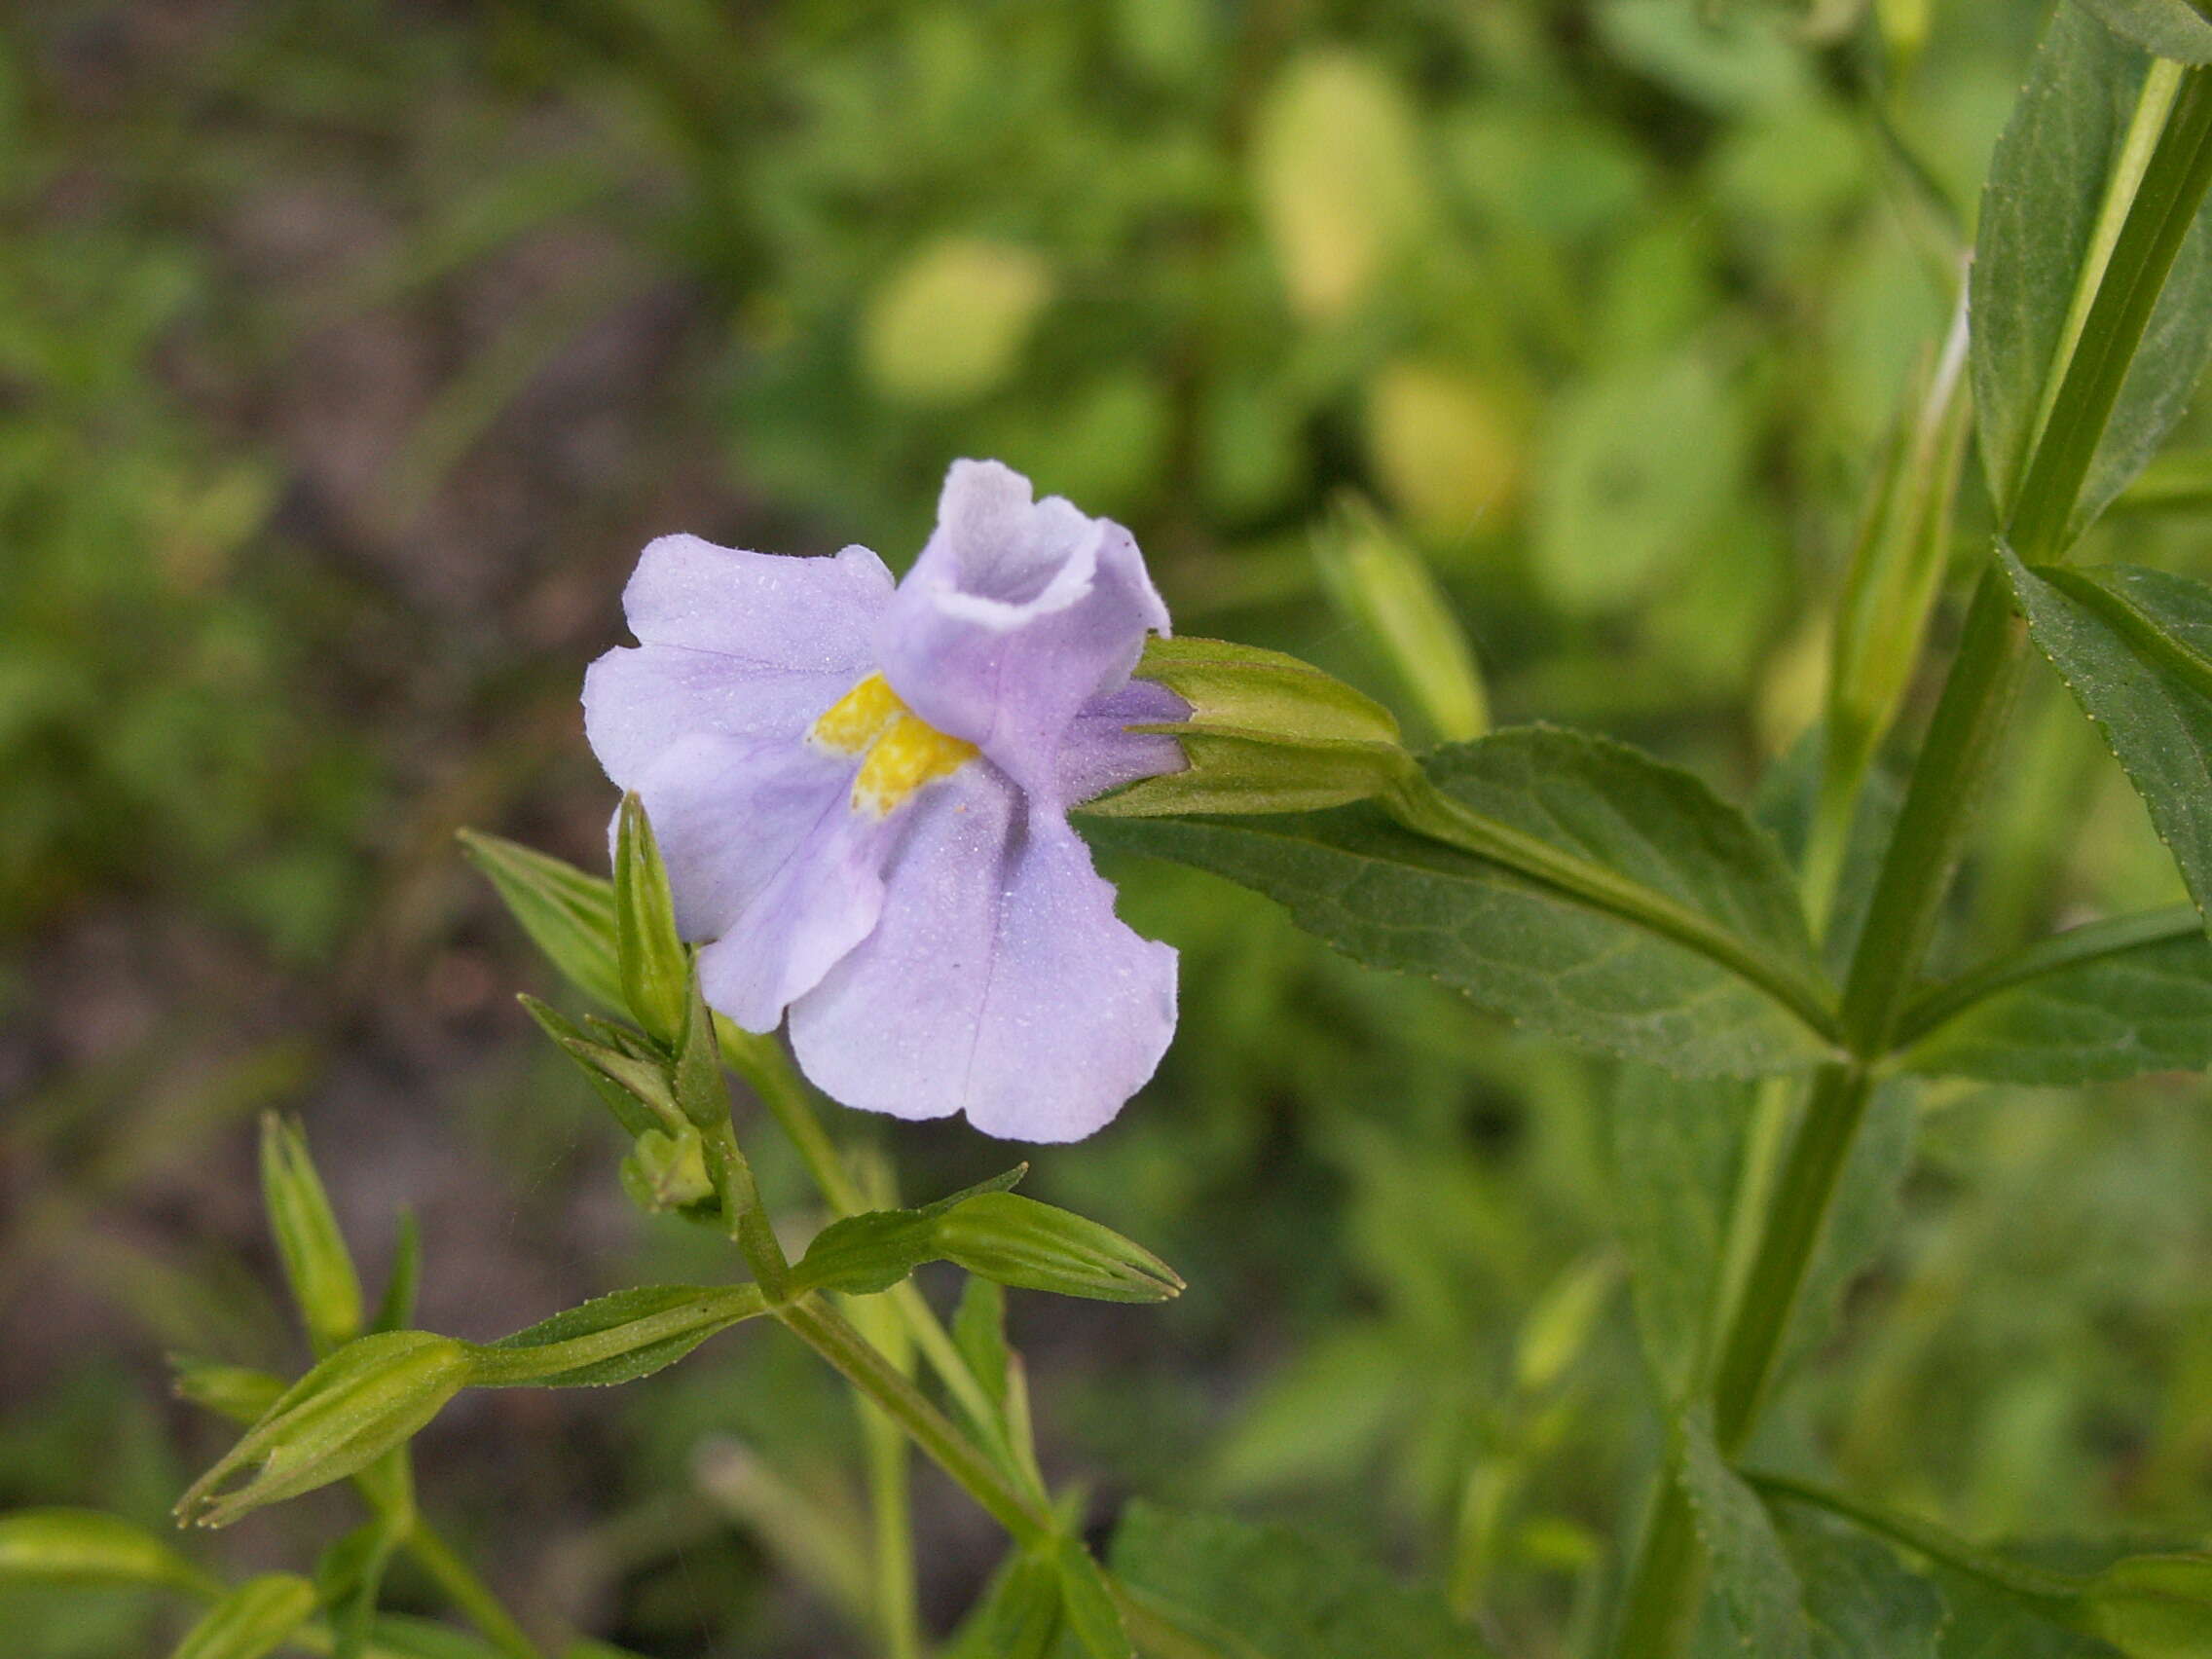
{"points": [[349, 349]]}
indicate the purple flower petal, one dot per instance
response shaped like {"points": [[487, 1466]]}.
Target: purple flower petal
{"points": [[768, 861], [1017, 614], [737, 644], [998, 980]]}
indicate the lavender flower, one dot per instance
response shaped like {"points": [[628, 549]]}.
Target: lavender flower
{"points": [[861, 791]]}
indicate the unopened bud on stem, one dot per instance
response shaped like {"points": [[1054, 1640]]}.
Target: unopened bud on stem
{"points": [[1265, 734]]}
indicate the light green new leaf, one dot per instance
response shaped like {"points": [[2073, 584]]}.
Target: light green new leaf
{"points": [[1393, 899], [317, 1266], [89, 1547], [1237, 1591], [1760, 1599], [2094, 1004], [2172, 28], [1859, 1598], [2135, 649], [253, 1620], [2064, 170]]}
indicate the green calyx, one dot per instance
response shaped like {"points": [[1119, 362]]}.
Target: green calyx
{"points": [[1265, 734]]}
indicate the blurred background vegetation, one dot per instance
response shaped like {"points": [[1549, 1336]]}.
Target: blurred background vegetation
{"points": [[350, 349]]}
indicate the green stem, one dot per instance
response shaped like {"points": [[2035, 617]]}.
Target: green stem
{"points": [[889, 1464], [765, 1067], [1796, 1220], [1660, 1606], [861, 1364], [1428, 810], [468, 1593], [1954, 762], [891, 1534], [1935, 1006], [749, 1229]]}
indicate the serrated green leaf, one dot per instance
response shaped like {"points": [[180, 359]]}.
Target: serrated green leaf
{"points": [[2095, 1004], [253, 1620], [1393, 898], [1239, 1590], [614, 1339], [2135, 649], [2172, 28], [568, 915], [1860, 1602], [2048, 214], [1752, 1576]]}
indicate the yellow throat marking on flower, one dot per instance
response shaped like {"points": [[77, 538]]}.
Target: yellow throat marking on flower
{"points": [[899, 752]]}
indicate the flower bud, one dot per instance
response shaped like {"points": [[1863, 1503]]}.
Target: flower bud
{"points": [[651, 957], [1265, 734], [665, 1172], [369, 1396], [2152, 1606], [1032, 1246], [84, 1546], [253, 1620], [316, 1263]]}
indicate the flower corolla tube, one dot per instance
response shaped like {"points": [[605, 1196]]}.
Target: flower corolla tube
{"points": [[861, 789]]}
